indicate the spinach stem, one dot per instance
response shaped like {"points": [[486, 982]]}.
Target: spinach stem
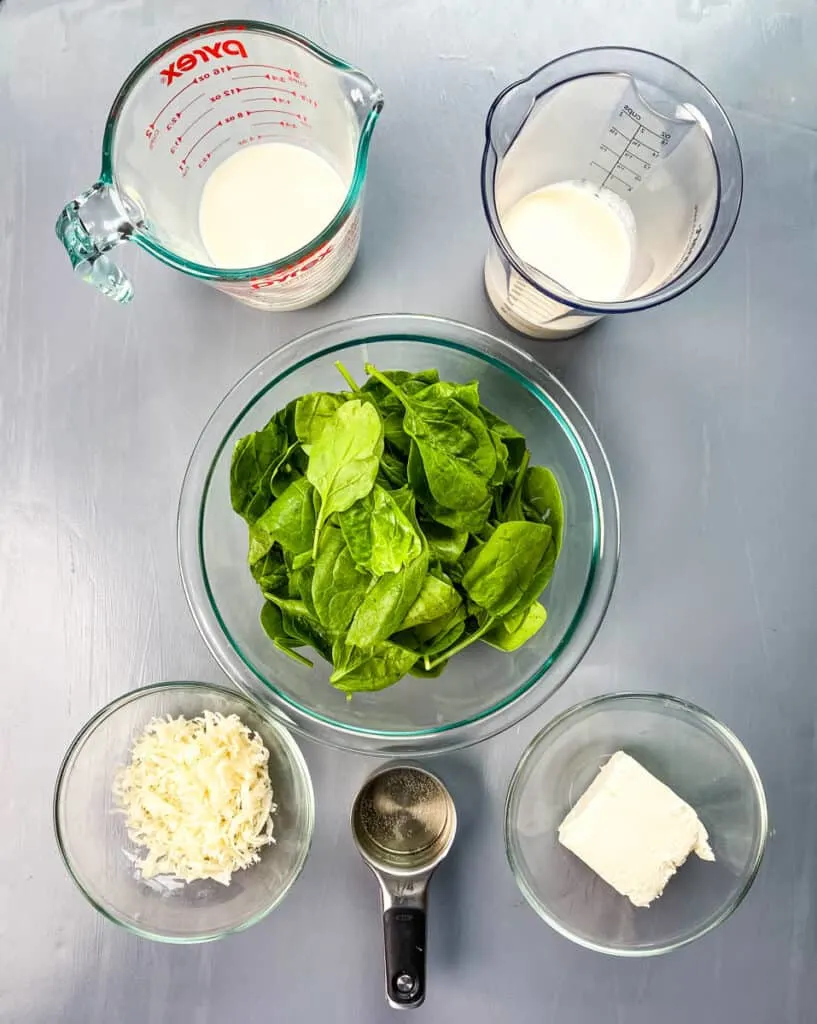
{"points": [[462, 644], [398, 394], [350, 380], [520, 477]]}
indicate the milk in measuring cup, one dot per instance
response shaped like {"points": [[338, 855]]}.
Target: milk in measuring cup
{"points": [[581, 236], [266, 202]]}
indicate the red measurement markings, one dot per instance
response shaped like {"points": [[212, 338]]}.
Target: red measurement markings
{"points": [[174, 146], [174, 120], [151, 132], [255, 138], [281, 123], [209, 156], [273, 78], [235, 90], [274, 67], [198, 142]]}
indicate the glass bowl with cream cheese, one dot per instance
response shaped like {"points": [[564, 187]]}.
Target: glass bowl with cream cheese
{"points": [[635, 823], [183, 812]]}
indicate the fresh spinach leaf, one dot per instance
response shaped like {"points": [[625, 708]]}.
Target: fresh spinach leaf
{"points": [[510, 436], [387, 602], [270, 572], [273, 626], [542, 497], [513, 508], [338, 585], [453, 442], [343, 462], [505, 639], [290, 521], [377, 532], [366, 670], [254, 459], [503, 569], [444, 544], [393, 470], [471, 520], [314, 413], [436, 599]]}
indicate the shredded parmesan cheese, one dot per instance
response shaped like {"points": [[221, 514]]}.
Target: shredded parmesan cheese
{"points": [[197, 796]]}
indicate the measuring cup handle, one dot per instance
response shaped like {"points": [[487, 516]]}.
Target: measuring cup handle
{"points": [[88, 227], [404, 930]]}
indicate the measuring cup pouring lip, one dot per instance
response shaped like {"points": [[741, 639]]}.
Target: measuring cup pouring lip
{"points": [[598, 65], [141, 234]]}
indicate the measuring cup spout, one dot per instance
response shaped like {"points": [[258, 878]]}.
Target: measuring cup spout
{"points": [[89, 227], [366, 95]]}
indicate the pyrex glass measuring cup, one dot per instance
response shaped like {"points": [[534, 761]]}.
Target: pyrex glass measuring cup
{"points": [[639, 135], [193, 102]]}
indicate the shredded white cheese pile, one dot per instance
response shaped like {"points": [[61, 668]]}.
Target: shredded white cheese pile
{"points": [[197, 796]]}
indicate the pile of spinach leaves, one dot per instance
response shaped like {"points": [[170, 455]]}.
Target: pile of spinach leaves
{"points": [[394, 524]]}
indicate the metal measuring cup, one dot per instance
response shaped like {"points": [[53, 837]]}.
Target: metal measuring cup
{"points": [[403, 823]]}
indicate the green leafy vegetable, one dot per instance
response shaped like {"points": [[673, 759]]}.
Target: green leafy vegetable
{"points": [[373, 669], [502, 571], [387, 603], [344, 460], [509, 639], [543, 500], [379, 535], [395, 524], [290, 520], [314, 413], [338, 585]]}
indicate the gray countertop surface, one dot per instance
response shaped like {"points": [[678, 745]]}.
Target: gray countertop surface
{"points": [[706, 409]]}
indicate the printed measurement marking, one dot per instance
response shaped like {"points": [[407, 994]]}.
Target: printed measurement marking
{"points": [[173, 99], [273, 78], [277, 124], [177, 116], [610, 173], [274, 67], [174, 146], [663, 136], [235, 90], [208, 156], [254, 138], [199, 141], [271, 88]]}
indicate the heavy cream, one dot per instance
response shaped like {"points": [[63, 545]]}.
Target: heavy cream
{"points": [[266, 202]]}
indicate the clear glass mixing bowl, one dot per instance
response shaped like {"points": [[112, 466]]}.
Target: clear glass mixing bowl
{"points": [[100, 856], [684, 747], [482, 691]]}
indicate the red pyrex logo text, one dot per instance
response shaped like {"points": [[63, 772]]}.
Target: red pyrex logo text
{"points": [[187, 61], [290, 273]]}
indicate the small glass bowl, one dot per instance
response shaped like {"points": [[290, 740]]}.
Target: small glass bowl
{"points": [[100, 856], [684, 747]]}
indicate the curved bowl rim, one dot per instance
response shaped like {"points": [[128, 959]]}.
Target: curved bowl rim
{"points": [[133, 696], [352, 333], [729, 739]]}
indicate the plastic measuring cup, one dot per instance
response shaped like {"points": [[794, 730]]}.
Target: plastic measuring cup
{"points": [[191, 103], [620, 121]]}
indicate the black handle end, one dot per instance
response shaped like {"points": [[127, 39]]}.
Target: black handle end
{"points": [[405, 934]]}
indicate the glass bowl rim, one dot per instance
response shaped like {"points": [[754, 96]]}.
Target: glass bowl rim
{"points": [[134, 696], [729, 739], [341, 336]]}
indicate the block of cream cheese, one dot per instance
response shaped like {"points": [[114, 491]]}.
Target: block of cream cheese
{"points": [[633, 831]]}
